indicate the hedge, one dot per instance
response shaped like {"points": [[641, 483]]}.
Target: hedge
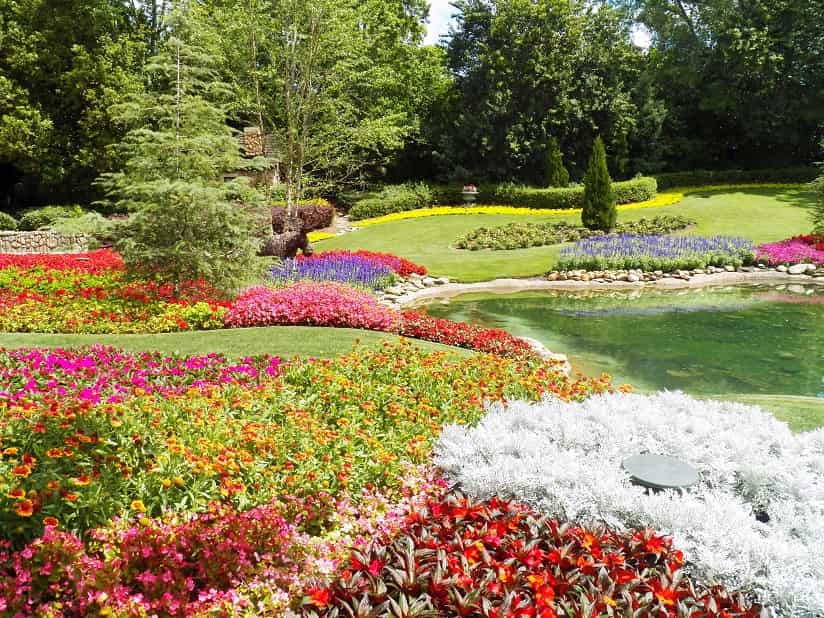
{"points": [[630, 191], [315, 214], [697, 178]]}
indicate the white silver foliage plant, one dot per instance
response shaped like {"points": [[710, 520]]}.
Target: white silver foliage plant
{"points": [[754, 523]]}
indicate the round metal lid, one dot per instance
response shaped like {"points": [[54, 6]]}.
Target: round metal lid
{"points": [[660, 472]]}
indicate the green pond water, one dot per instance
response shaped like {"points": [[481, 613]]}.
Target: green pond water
{"points": [[743, 341]]}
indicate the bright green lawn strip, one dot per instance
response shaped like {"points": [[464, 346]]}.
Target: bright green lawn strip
{"points": [[762, 215], [800, 413], [283, 341]]}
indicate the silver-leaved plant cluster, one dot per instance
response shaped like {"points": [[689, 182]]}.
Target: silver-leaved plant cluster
{"points": [[754, 523]]}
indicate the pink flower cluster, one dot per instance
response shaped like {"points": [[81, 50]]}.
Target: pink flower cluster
{"points": [[312, 304], [105, 374], [791, 251], [209, 563]]}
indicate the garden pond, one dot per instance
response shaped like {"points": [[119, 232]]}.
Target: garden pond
{"points": [[743, 342]]}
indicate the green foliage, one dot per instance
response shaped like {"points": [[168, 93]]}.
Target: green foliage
{"points": [[90, 223], [41, 218], [393, 198], [599, 201], [184, 224], [698, 178], [525, 235], [7, 222], [620, 156], [818, 208], [556, 174]]}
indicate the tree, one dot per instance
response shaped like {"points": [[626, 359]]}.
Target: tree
{"points": [[184, 225], [599, 211], [620, 157], [556, 174], [818, 208]]}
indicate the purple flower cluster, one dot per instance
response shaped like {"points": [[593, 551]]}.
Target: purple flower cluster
{"points": [[654, 252], [353, 270]]}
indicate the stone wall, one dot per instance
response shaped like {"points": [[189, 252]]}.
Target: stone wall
{"points": [[43, 242]]}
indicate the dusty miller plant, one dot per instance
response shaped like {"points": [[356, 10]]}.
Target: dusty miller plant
{"points": [[565, 460]]}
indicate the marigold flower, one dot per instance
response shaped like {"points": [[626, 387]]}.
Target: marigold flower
{"points": [[137, 505], [11, 451], [24, 508]]}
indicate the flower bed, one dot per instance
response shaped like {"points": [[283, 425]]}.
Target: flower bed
{"points": [[753, 522], [808, 248], [350, 269], [667, 253], [459, 557], [271, 469], [525, 235]]}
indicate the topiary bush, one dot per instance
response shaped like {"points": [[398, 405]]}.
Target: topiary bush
{"points": [[39, 218], [599, 201], [314, 214], [7, 222]]}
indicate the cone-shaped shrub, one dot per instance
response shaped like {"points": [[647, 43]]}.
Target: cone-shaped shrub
{"points": [[556, 174], [599, 201]]}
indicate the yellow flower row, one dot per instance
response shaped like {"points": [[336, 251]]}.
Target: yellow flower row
{"points": [[663, 199], [670, 198]]}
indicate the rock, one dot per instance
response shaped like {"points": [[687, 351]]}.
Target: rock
{"points": [[394, 291], [553, 276], [633, 278], [441, 280], [797, 289], [798, 269], [729, 269], [782, 269], [428, 281]]}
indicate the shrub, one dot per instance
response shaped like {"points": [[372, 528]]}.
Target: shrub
{"points": [[697, 178], [7, 222], [638, 189], [524, 235], [393, 198], [817, 214], [556, 174], [461, 557], [311, 304], [315, 215], [91, 223], [39, 218], [667, 253], [598, 211], [754, 522]]}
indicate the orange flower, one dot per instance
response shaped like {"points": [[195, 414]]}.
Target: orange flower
{"points": [[24, 508], [10, 451], [50, 522], [22, 471], [54, 453], [70, 497], [137, 505], [16, 494], [81, 481]]}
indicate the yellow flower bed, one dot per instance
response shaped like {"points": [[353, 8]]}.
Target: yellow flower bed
{"points": [[662, 199], [316, 236]]}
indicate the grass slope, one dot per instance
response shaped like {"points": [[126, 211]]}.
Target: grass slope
{"points": [[761, 215], [284, 341]]}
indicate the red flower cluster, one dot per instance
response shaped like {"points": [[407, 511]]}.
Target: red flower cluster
{"points": [[497, 559], [463, 335], [816, 241], [401, 266], [92, 262]]}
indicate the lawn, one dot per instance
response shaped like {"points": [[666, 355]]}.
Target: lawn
{"points": [[761, 215], [283, 341]]}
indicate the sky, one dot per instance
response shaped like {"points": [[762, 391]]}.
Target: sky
{"points": [[440, 15]]}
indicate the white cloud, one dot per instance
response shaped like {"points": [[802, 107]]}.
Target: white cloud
{"points": [[440, 17]]}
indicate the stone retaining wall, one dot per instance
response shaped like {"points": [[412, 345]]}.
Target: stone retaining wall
{"points": [[43, 242]]}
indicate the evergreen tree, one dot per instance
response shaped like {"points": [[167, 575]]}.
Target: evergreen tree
{"points": [[620, 158], [184, 223], [818, 207], [556, 174], [599, 201]]}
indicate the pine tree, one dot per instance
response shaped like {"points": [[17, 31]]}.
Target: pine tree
{"points": [[620, 158], [184, 224], [599, 201], [556, 174]]}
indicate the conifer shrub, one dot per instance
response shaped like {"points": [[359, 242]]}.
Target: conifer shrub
{"points": [[599, 200], [556, 174]]}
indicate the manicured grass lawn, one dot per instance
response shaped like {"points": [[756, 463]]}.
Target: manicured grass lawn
{"points": [[284, 341], [800, 413], [760, 214]]}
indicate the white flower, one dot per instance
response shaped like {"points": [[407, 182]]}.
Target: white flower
{"points": [[565, 460]]}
